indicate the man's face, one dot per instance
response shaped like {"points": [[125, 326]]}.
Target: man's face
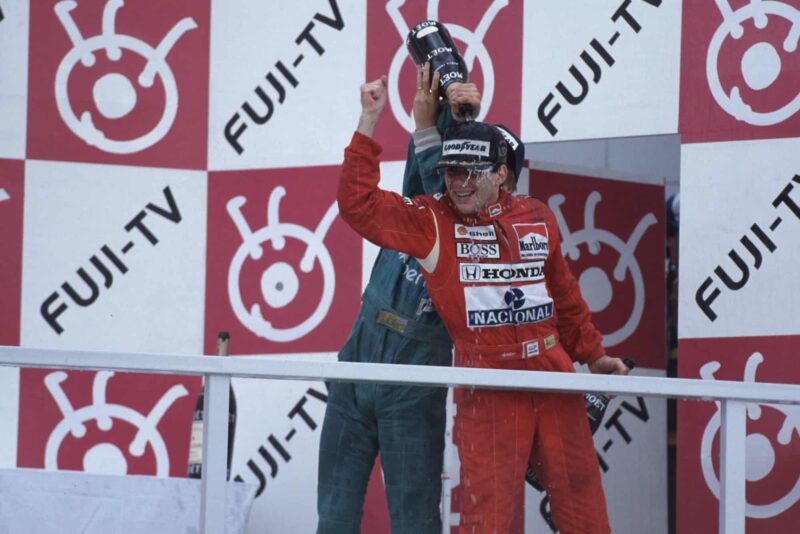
{"points": [[472, 190]]}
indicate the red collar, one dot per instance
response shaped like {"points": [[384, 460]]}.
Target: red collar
{"points": [[487, 214]]}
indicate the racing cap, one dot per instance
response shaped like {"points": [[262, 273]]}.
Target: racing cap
{"points": [[473, 145], [516, 152]]}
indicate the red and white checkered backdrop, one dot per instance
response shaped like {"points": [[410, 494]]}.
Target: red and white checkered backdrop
{"points": [[163, 164]]}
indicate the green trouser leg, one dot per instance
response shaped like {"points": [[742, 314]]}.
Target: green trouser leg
{"points": [[404, 424]]}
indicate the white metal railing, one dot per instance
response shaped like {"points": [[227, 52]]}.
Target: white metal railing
{"points": [[733, 397]]}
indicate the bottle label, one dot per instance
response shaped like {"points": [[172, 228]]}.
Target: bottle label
{"points": [[196, 443]]}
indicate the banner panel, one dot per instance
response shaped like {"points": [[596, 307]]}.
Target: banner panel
{"points": [[632, 450], [738, 229], [283, 268], [488, 34], [113, 258], [114, 82], [772, 469], [606, 68], [277, 444], [11, 206], [613, 238], [106, 422], [285, 80], [13, 77], [740, 70]]}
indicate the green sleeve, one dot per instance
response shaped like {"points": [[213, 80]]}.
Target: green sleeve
{"points": [[420, 178]]}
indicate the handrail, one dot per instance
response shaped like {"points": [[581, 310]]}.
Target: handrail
{"points": [[281, 368], [218, 371]]}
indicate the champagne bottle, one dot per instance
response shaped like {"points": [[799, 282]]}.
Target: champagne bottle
{"points": [[430, 41], [196, 442], [596, 405]]}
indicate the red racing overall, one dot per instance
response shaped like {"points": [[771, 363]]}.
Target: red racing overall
{"points": [[508, 300]]}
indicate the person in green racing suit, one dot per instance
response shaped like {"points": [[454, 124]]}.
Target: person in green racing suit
{"points": [[396, 324]]}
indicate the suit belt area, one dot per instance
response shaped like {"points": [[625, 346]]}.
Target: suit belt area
{"points": [[404, 325], [536, 346]]}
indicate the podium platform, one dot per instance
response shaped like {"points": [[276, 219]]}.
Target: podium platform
{"points": [[66, 502]]}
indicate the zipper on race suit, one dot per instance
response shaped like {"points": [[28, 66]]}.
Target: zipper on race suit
{"points": [[499, 230]]}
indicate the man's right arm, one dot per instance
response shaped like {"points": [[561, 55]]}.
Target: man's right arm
{"points": [[382, 217]]}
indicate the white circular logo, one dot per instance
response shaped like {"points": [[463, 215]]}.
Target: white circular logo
{"points": [[760, 449], [596, 286], [761, 63], [114, 94], [279, 283], [475, 49], [106, 457]]}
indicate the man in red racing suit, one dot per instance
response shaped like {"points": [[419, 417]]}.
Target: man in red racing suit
{"points": [[497, 278]]}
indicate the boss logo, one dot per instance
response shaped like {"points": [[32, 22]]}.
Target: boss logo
{"points": [[478, 250], [499, 273]]}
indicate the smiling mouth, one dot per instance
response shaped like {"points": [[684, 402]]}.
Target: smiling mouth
{"points": [[463, 194]]}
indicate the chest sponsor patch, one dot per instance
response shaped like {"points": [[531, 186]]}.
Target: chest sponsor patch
{"points": [[501, 273], [478, 233], [533, 242], [478, 250], [489, 306]]}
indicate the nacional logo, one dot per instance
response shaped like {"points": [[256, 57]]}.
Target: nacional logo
{"points": [[489, 306], [478, 250], [465, 147], [533, 241], [500, 273], [479, 233]]}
